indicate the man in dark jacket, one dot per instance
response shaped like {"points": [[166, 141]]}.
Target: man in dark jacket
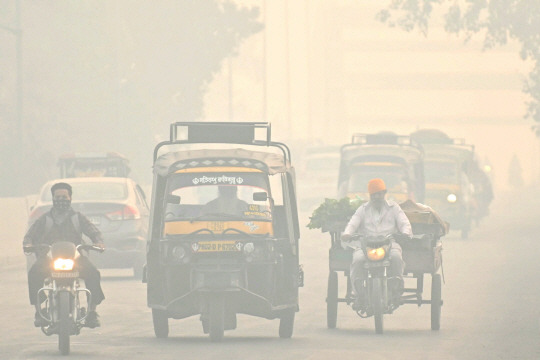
{"points": [[62, 223]]}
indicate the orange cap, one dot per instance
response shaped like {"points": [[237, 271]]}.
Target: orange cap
{"points": [[376, 185]]}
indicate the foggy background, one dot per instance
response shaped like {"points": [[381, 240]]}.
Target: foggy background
{"points": [[112, 75]]}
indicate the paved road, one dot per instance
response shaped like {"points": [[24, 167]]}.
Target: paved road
{"points": [[490, 310]]}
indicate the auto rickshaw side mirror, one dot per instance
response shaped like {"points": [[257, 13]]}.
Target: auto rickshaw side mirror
{"points": [[260, 196], [173, 199]]}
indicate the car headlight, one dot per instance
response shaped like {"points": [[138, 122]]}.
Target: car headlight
{"points": [[376, 254], [179, 252], [452, 198], [63, 264]]}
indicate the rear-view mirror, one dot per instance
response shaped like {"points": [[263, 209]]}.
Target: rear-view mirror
{"points": [[260, 196], [173, 199]]}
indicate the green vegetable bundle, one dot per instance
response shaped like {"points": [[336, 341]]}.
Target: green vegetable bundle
{"points": [[333, 214]]}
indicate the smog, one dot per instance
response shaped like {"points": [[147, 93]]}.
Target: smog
{"points": [[222, 152]]}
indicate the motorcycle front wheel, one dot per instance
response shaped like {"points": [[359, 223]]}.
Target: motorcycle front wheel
{"points": [[377, 304], [64, 324]]}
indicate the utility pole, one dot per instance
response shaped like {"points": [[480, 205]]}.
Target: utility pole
{"points": [[19, 137]]}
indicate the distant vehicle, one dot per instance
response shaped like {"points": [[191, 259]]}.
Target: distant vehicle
{"points": [[396, 159], [109, 164], [450, 168], [318, 176], [117, 206]]}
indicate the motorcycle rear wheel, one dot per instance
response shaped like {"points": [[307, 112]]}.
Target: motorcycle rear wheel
{"points": [[64, 325], [377, 304]]}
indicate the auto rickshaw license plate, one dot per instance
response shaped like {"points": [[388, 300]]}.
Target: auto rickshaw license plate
{"points": [[215, 246]]}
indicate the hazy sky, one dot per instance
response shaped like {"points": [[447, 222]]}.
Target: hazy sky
{"points": [[350, 73]]}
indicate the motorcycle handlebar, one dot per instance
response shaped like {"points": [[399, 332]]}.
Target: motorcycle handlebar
{"points": [[37, 247]]}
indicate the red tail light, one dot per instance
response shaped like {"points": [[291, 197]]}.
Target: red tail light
{"points": [[127, 213], [131, 213]]}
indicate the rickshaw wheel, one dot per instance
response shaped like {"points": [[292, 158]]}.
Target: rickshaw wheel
{"points": [[436, 300], [217, 318], [286, 324], [377, 303], [332, 300], [161, 323]]}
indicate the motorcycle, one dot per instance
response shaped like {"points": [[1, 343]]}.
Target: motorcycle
{"points": [[58, 301], [377, 294]]}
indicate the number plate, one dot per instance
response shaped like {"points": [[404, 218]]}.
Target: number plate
{"points": [[217, 246], [65, 275]]}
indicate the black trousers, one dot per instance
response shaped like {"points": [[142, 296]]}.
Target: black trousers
{"points": [[87, 271]]}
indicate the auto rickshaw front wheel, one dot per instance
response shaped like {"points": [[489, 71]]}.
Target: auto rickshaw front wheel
{"points": [[286, 324], [161, 323], [217, 318]]}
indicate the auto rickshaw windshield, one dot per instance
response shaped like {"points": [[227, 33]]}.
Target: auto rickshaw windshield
{"points": [[394, 177], [441, 172], [217, 195]]}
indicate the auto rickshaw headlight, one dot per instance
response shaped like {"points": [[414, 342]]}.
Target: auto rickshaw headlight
{"points": [[63, 264], [179, 252], [249, 248], [376, 254], [452, 198]]}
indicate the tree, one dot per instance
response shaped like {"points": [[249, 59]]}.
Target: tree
{"points": [[497, 20], [108, 75]]}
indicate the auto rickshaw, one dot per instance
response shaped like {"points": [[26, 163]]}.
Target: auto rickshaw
{"points": [[449, 189], [93, 165], [218, 258], [398, 160]]}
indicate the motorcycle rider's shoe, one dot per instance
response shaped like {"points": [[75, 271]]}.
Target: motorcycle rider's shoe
{"points": [[39, 321], [92, 320]]}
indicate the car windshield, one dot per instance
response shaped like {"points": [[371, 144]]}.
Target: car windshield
{"points": [[441, 172], [92, 191], [394, 176], [218, 196]]}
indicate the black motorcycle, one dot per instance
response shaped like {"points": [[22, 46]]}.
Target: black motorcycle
{"points": [[378, 294], [59, 302]]}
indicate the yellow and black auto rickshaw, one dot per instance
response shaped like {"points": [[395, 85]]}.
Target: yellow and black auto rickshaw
{"points": [[396, 159], [224, 228]]}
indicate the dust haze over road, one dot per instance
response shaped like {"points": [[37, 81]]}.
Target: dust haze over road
{"points": [[317, 76], [490, 307]]}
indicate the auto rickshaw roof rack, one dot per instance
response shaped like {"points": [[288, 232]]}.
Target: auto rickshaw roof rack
{"points": [[222, 133]]}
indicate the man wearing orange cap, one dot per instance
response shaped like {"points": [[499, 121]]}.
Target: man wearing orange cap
{"points": [[375, 218]]}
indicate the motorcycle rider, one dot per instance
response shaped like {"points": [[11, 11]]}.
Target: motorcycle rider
{"points": [[375, 218], [58, 224]]}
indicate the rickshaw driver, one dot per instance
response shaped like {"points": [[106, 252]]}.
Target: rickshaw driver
{"points": [[227, 202], [375, 218]]}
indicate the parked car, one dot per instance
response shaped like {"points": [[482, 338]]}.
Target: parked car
{"points": [[118, 207]]}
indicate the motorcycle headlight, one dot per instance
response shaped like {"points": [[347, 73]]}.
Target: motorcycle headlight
{"points": [[452, 198], [63, 264], [376, 254]]}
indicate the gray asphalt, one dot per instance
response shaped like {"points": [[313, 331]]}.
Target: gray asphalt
{"points": [[490, 311]]}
